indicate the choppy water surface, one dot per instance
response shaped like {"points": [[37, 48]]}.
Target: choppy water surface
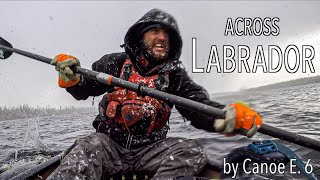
{"points": [[295, 109]]}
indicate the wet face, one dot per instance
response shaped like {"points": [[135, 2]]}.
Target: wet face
{"points": [[156, 42]]}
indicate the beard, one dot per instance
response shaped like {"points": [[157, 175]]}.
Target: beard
{"points": [[152, 56]]}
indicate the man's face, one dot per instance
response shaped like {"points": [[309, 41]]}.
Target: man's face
{"points": [[156, 41]]}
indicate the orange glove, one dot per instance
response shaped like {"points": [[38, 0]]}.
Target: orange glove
{"points": [[64, 63], [240, 119]]}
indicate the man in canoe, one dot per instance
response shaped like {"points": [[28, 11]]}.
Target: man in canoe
{"points": [[131, 128]]}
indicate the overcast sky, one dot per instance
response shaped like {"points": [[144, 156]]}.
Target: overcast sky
{"points": [[89, 30]]}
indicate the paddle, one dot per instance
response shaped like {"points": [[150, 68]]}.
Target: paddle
{"points": [[6, 51]]}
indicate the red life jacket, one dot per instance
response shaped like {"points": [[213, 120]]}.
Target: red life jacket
{"points": [[136, 114]]}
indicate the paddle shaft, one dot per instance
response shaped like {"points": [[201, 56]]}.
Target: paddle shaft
{"points": [[177, 100], [102, 77]]}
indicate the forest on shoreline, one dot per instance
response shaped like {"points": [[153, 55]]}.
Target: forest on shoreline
{"points": [[26, 111]]}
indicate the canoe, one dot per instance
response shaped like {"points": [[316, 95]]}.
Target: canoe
{"points": [[43, 170], [210, 171]]}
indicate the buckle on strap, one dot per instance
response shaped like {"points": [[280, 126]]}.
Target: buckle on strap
{"points": [[263, 147], [127, 72]]}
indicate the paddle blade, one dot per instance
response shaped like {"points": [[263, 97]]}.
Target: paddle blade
{"points": [[4, 54]]}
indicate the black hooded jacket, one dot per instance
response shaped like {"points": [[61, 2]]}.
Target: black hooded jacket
{"points": [[179, 82]]}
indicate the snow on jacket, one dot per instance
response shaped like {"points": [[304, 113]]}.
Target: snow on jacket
{"points": [[179, 83]]}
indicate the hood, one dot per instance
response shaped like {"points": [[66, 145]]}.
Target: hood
{"points": [[151, 19]]}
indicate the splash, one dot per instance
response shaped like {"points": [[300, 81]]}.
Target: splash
{"points": [[23, 159], [32, 133]]}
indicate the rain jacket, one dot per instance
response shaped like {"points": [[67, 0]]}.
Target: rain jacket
{"points": [[178, 81]]}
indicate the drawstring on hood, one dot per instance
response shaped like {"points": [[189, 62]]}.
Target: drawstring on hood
{"points": [[151, 20]]}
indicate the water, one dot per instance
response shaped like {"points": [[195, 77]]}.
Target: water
{"points": [[295, 109]]}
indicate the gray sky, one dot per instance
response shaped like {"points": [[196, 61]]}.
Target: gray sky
{"points": [[89, 30]]}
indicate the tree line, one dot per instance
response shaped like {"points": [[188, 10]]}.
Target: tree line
{"points": [[26, 111]]}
